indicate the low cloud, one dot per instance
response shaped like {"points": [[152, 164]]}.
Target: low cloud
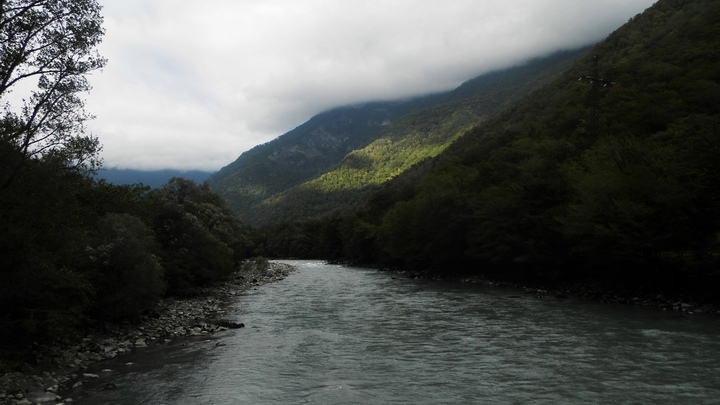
{"points": [[192, 87]]}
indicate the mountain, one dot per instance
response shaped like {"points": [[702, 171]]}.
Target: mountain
{"points": [[302, 153], [606, 175], [326, 164], [151, 178]]}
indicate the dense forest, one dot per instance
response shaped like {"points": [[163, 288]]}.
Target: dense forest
{"points": [[76, 252], [607, 174]]}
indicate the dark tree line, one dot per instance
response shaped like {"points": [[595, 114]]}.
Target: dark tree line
{"points": [[75, 251]]}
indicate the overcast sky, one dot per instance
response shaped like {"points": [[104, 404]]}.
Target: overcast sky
{"points": [[192, 85]]}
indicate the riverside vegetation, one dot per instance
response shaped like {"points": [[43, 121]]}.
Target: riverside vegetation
{"points": [[79, 253]]}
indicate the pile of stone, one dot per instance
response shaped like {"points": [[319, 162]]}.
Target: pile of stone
{"points": [[608, 294], [60, 367]]}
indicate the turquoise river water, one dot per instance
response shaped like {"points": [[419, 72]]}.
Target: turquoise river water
{"points": [[330, 334]]}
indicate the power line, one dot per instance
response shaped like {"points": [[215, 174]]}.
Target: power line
{"points": [[596, 83]]}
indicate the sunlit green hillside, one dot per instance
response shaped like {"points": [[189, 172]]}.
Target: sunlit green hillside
{"points": [[391, 155]]}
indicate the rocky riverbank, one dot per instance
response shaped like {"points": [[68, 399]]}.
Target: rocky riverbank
{"points": [[60, 367], [606, 293]]}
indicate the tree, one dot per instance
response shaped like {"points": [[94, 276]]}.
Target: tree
{"points": [[127, 273], [43, 232], [201, 239], [53, 43]]}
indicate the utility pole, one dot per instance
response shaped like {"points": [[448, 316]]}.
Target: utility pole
{"points": [[596, 83]]}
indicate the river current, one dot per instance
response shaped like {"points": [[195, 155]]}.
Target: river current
{"points": [[329, 334]]}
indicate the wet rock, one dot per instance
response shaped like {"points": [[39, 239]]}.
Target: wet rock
{"points": [[229, 324], [40, 397]]}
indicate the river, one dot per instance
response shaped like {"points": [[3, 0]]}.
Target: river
{"points": [[329, 334]]}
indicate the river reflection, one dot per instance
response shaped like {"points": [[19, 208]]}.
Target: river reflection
{"points": [[329, 334]]}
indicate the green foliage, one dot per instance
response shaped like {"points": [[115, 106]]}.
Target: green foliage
{"points": [[202, 240], [388, 156]]}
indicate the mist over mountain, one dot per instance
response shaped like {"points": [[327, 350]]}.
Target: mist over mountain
{"points": [[265, 182]]}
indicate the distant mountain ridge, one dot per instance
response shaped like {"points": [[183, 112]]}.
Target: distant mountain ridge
{"points": [[151, 178], [266, 183]]}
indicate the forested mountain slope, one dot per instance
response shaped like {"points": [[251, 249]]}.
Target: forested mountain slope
{"points": [[609, 173], [297, 176], [302, 153]]}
